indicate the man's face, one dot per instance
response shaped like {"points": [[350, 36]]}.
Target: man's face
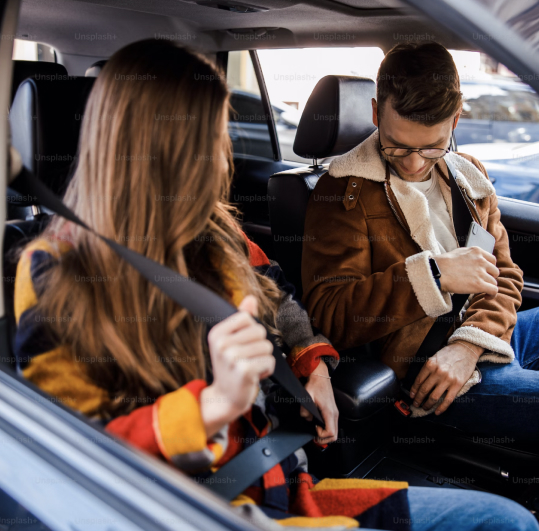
{"points": [[397, 131]]}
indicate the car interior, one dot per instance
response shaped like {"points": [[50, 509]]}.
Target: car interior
{"points": [[47, 106]]}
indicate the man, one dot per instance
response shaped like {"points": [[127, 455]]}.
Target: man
{"points": [[370, 258]]}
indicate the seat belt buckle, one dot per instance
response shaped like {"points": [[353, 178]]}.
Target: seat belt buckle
{"points": [[403, 408]]}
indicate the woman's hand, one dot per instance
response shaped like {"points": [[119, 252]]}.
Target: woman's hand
{"points": [[241, 356], [322, 393], [447, 371]]}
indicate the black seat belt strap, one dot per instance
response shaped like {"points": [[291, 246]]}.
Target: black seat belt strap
{"points": [[435, 338], [211, 309], [236, 475]]}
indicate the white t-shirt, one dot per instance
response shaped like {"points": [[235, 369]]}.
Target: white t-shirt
{"points": [[439, 215]]}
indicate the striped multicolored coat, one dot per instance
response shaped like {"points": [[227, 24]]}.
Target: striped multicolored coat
{"points": [[171, 428]]}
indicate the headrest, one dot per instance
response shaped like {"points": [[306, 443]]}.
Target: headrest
{"points": [[337, 117], [45, 119], [93, 71], [37, 69]]}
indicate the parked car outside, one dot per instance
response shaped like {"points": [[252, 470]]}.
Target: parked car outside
{"points": [[248, 126], [498, 109]]}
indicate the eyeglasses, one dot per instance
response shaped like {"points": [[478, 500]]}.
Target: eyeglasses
{"points": [[426, 153]]}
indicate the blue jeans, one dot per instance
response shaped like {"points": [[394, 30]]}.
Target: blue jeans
{"points": [[466, 510], [504, 407], [438, 509]]}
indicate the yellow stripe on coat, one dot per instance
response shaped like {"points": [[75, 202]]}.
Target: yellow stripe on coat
{"points": [[320, 521], [25, 296], [56, 373], [180, 424], [354, 483]]}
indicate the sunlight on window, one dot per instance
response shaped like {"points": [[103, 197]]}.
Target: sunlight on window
{"points": [[24, 50], [292, 74]]}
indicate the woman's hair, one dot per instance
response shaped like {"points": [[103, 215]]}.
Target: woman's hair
{"points": [[153, 174]]}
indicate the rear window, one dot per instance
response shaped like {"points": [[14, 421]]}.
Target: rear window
{"points": [[26, 50]]}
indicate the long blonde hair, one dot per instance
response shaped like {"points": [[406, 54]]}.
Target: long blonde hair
{"points": [[153, 173]]}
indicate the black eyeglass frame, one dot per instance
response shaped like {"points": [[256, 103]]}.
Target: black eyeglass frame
{"points": [[418, 150]]}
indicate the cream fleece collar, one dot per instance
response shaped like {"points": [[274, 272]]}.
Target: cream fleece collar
{"points": [[365, 161]]}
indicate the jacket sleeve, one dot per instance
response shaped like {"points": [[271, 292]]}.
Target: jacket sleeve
{"points": [[349, 302], [171, 428], [490, 323], [307, 348]]}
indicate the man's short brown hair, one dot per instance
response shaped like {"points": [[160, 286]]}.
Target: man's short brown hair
{"points": [[421, 81]]}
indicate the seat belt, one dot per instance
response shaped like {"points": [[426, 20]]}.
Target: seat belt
{"points": [[244, 469], [436, 336]]}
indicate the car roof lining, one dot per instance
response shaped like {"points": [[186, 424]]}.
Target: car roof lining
{"points": [[97, 28]]}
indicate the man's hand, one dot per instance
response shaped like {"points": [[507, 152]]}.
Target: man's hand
{"points": [[447, 371], [322, 393], [468, 270]]}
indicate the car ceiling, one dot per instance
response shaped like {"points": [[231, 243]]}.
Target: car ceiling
{"points": [[97, 28]]}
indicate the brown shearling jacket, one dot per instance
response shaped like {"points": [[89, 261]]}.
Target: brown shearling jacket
{"points": [[365, 269]]}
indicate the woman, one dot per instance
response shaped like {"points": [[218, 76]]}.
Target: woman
{"points": [[104, 341]]}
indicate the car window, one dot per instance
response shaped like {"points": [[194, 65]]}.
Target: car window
{"points": [[247, 108], [248, 125], [477, 102], [291, 75], [500, 112], [500, 125], [515, 104], [27, 50]]}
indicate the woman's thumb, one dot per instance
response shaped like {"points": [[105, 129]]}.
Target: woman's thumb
{"points": [[249, 305]]}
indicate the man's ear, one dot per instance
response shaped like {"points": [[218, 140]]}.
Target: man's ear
{"points": [[374, 112]]}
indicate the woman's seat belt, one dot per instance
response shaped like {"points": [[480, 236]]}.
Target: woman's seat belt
{"points": [[244, 469]]}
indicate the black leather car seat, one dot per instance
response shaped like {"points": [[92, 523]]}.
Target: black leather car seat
{"points": [[95, 68], [337, 117], [22, 70], [38, 69], [45, 119]]}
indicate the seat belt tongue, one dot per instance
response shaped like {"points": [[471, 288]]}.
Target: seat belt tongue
{"points": [[403, 408], [237, 475]]}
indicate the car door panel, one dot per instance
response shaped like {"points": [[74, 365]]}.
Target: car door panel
{"points": [[521, 219]]}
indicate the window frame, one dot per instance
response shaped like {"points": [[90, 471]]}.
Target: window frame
{"points": [[222, 62], [468, 19], [93, 474], [268, 109]]}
